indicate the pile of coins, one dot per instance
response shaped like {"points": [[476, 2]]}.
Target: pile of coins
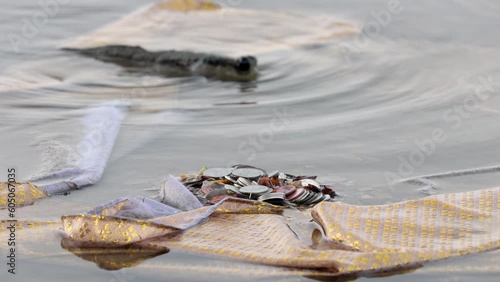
{"points": [[214, 184]]}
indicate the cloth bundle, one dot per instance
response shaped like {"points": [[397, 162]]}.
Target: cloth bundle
{"points": [[356, 239], [350, 239]]}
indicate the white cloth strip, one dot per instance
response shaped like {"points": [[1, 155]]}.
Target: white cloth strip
{"points": [[102, 125]]}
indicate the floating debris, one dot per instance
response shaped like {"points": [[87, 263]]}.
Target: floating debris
{"points": [[248, 182]]}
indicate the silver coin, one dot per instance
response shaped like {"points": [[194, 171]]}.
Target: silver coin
{"points": [[321, 199], [254, 189], [282, 178], [272, 196], [192, 182], [296, 194], [308, 198], [233, 189], [217, 172], [312, 182], [230, 178], [302, 197], [273, 174], [247, 172], [244, 181], [318, 197], [318, 200]]}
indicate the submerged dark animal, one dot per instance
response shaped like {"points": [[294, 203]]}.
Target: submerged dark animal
{"points": [[177, 63]]}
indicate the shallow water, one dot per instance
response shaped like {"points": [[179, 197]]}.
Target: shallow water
{"points": [[353, 111]]}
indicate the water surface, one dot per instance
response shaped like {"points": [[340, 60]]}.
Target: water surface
{"points": [[353, 110]]}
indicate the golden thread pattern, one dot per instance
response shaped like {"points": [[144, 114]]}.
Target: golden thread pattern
{"points": [[26, 194]]}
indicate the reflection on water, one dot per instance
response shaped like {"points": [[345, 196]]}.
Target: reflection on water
{"points": [[354, 114], [114, 258]]}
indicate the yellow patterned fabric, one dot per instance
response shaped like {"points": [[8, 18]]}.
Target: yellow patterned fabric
{"points": [[98, 230], [257, 238], [230, 206], [25, 193], [188, 5], [356, 238], [101, 230], [412, 232]]}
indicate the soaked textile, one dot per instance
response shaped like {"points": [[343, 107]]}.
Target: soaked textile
{"points": [[415, 231], [101, 125], [349, 240], [61, 173], [152, 26], [174, 194], [25, 194], [356, 238]]}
